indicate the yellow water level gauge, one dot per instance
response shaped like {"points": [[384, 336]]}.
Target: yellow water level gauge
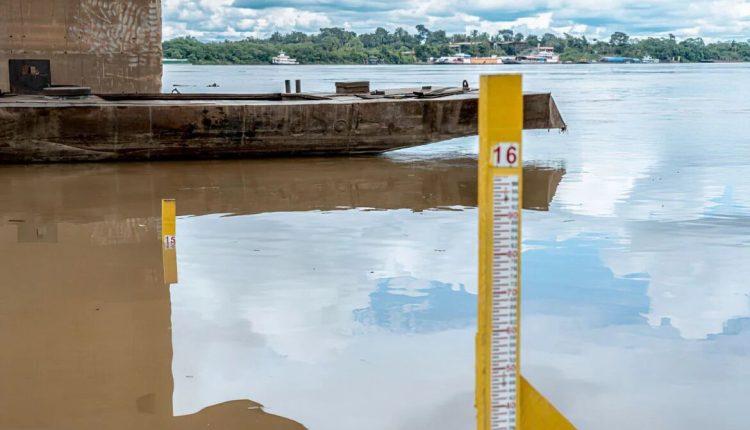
{"points": [[505, 401]]}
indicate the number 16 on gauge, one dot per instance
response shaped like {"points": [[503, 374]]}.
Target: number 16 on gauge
{"points": [[505, 154]]}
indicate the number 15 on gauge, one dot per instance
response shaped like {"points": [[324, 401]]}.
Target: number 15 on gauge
{"points": [[505, 154]]}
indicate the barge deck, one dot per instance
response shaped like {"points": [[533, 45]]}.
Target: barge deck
{"points": [[124, 127]]}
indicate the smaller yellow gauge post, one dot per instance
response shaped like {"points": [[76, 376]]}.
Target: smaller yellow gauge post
{"points": [[168, 240]]}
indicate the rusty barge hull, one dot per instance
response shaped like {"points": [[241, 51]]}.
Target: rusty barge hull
{"points": [[117, 128]]}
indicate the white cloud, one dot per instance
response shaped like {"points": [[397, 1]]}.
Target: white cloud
{"points": [[540, 23], [243, 328], [220, 19]]}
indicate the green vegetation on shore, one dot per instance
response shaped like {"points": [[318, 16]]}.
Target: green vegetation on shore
{"points": [[338, 46]]}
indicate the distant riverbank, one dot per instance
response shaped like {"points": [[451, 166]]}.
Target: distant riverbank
{"points": [[565, 63], [340, 47]]}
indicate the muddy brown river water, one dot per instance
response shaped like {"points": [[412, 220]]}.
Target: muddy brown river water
{"points": [[341, 293], [86, 310]]}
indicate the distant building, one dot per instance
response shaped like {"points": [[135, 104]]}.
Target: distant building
{"points": [[460, 45], [111, 46]]}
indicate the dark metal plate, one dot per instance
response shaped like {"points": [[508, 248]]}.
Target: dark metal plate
{"points": [[29, 76]]}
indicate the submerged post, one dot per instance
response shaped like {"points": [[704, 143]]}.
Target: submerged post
{"points": [[288, 86], [298, 86], [504, 399]]}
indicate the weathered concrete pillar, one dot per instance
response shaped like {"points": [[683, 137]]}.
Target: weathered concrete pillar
{"points": [[112, 46]]}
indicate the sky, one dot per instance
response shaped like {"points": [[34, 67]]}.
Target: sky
{"points": [[238, 19]]}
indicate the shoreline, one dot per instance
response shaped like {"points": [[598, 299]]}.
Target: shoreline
{"points": [[455, 65]]}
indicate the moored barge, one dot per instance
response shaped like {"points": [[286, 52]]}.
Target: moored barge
{"points": [[121, 127]]}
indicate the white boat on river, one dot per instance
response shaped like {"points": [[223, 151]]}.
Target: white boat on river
{"points": [[540, 55], [284, 60]]}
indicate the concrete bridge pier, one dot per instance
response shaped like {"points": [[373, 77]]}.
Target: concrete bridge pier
{"points": [[112, 46]]}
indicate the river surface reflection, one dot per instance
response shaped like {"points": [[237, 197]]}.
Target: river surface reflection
{"points": [[341, 293], [301, 283]]}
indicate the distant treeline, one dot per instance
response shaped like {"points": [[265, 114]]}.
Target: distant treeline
{"points": [[338, 46]]}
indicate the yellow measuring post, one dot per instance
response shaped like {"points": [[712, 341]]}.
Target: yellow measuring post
{"points": [[169, 240], [504, 400]]}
